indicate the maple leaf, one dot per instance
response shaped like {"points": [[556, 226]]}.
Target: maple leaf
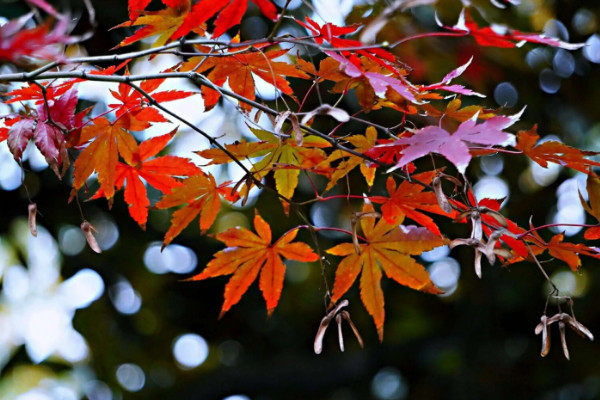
{"points": [[331, 33], [163, 23], [407, 198], [454, 146], [48, 127], [379, 81], [283, 156], [565, 251], [20, 45], [361, 143], [199, 194], [249, 254], [180, 18], [239, 71], [109, 140], [136, 104], [230, 13], [454, 111], [445, 83], [553, 151], [159, 172], [501, 35], [387, 248], [593, 190]]}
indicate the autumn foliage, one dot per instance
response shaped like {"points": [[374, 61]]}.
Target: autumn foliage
{"points": [[415, 173]]}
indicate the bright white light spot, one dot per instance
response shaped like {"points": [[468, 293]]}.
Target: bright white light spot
{"points": [[491, 187], [237, 397], [15, 284], [591, 51], [445, 273], [570, 283], [435, 254], [571, 214], [388, 384], [334, 11], [125, 299], [10, 172], [265, 90], [190, 350], [107, 232], [131, 377], [36, 159], [174, 258], [71, 240], [73, 347], [83, 288], [44, 328], [34, 394], [544, 176], [292, 4]]}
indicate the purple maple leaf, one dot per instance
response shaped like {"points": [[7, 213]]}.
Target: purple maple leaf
{"points": [[454, 146]]}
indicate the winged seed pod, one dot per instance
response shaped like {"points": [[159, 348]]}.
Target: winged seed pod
{"points": [[338, 314], [563, 320], [441, 197], [32, 208], [87, 230]]}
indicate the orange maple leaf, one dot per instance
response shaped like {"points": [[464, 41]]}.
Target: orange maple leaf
{"points": [[248, 254], [406, 199], [565, 251], [553, 151], [240, 69], [159, 172], [109, 141], [387, 248], [201, 195]]}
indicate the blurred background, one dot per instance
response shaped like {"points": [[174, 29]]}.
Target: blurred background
{"points": [[122, 325]]}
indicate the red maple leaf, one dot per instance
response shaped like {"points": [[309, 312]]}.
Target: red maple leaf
{"points": [[133, 102], [159, 172], [18, 43], [502, 36]]}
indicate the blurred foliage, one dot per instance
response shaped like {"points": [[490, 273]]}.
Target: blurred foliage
{"points": [[477, 343]]}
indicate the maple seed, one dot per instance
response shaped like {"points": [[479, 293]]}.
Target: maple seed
{"points": [[440, 195], [32, 208], [563, 340], [338, 314], [87, 229]]}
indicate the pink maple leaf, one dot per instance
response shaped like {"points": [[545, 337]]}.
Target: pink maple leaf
{"points": [[454, 146]]}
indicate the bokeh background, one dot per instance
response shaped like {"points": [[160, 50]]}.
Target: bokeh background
{"points": [[122, 325]]}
